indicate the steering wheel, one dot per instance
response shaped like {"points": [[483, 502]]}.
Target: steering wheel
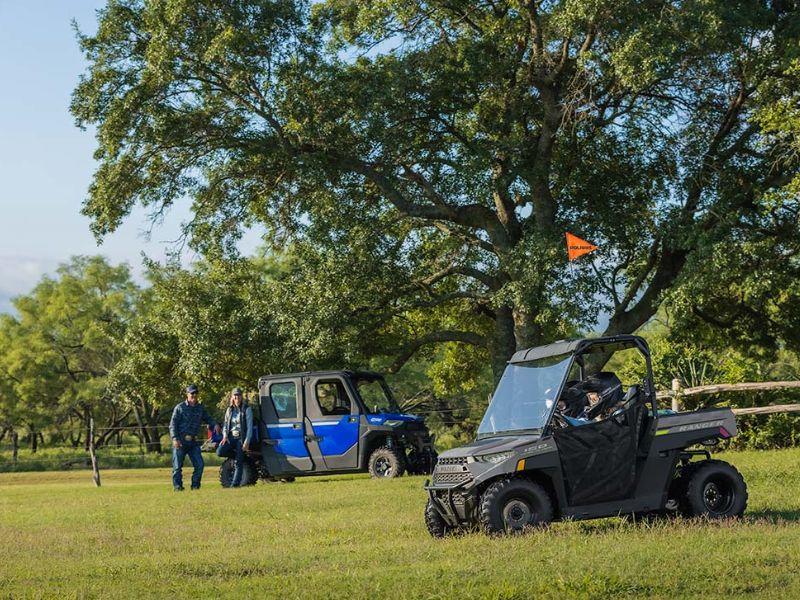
{"points": [[559, 421]]}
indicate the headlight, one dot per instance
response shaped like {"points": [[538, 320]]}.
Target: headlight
{"points": [[393, 423], [495, 458]]}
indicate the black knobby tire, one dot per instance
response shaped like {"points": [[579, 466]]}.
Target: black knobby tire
{"points": [[514, 505], [435, 523], [676, 497], [226, 473], [714, 489], [385, 463]]}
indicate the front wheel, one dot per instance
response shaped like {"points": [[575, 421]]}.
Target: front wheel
{"points": [[514, 505], [715, 489], [385, 463], [435, 523]]}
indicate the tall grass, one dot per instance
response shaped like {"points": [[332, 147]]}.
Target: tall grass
{"points": [[351, 537]]}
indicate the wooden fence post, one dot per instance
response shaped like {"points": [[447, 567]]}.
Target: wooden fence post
{"points": [[93, 454], [676, 392]]}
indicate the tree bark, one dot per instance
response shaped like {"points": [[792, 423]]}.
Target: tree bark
{"points": [[34, 439], [14, 446], [526, 332], [504, 343], [154, 445], [147, 421], [75, 441]]}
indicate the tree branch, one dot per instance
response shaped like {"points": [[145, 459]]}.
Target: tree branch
{"points": [[407, 351], [633, 288]]}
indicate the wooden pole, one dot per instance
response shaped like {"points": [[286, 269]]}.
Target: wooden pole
{"points": [[92, 454], [676, 392], [767, 410], [741, 387]]}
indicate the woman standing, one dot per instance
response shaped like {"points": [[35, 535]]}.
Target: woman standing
{"points": [[237, 433]]}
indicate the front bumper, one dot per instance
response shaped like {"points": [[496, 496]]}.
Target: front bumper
{"points": [[455, 504]]}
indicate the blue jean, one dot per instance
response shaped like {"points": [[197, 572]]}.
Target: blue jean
{"points": [[192, 449], [233, 449]]}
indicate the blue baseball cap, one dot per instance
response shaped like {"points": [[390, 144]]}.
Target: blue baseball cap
{"points": [[191, 389]]}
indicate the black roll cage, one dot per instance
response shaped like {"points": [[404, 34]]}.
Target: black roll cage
{"points": [[579, 348]]}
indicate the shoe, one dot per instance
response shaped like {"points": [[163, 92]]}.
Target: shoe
{"points": [[194, 487], [178, 489]]}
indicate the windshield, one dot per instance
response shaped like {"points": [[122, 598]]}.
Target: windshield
{"points": [[525, 396], [376, 396]]}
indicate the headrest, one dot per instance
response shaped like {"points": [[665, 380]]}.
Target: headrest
{"points": [[606, 384]]}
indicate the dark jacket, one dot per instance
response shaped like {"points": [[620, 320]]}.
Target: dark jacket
{"points": [[246, 424], [186, 420]]}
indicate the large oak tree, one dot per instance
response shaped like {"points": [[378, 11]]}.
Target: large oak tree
{"points": [[424, 159]]}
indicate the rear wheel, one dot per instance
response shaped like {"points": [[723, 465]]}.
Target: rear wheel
{"points": [[226, 473], [714, 489], [385, 463], [515, 505]]}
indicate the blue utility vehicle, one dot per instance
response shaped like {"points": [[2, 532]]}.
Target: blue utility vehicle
{"points": [[332, 422]]}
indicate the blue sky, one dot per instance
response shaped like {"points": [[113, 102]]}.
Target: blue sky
{"points": [[46, 162]]}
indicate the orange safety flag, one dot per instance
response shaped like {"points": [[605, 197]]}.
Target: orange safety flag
{"points": [[577, 247]]}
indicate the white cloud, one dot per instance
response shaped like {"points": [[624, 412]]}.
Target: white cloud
{"points": [[19, 275]]}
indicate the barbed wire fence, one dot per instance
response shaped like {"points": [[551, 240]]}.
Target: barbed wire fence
{"points": [[66, 456], [81, 454]]}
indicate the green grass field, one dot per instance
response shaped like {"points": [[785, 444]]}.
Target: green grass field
{"points": [[350, 537]]}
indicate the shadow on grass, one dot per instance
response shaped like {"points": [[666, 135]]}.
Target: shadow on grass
{"points": [[772, 516], [758, 517]]}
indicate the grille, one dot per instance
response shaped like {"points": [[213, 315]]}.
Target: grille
{"points": [[452, 478], [451, 471], [453, 461]]}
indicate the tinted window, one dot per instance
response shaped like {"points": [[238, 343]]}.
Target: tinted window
{"points": [[376, 396], [284, 399], [332, 398]]}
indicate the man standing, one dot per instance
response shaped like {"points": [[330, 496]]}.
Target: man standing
{"points": [[183, 429]]}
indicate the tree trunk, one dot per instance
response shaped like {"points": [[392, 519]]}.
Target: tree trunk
{"points": [[114, 429], [147, 421], [34, 439], [503, 342], [143, 435], [14, 446], [75, 440], [154, 445], [526, 332]]}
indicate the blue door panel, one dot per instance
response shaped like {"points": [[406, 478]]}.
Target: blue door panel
{"points": [[337, 437], [290, 441]]}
